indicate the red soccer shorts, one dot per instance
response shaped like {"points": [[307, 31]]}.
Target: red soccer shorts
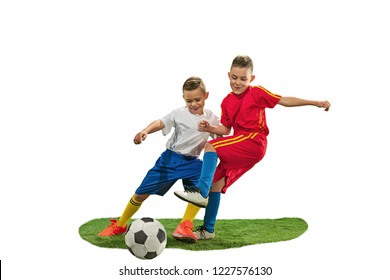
{"points": [[237, 154]]}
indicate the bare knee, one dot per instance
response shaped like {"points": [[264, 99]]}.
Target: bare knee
{"points": [[209, 148], [140, 197], [218, 186]]}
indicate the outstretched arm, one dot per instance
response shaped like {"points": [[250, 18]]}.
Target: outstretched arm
{"points": [[294, 102], [153, 127]]}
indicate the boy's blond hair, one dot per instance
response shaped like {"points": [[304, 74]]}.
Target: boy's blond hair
{"points": [[193, 83], [243, 61]]}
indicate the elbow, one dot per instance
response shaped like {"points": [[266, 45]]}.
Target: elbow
{"points": [[227, 131]]}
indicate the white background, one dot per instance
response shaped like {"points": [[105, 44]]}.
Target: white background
{"points": [[80, 78]]}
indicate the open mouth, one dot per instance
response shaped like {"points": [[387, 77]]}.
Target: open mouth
{"points": [[194, 109]]}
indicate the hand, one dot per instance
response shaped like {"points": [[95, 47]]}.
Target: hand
{"points": [[139, 137], [324, 104], [203, 126]]}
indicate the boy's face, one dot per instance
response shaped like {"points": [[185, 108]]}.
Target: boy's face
{"points": [[195, 100], [240, 78]]}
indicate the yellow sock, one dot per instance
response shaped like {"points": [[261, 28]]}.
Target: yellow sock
{"points": [[190, 212], [131, 208]]}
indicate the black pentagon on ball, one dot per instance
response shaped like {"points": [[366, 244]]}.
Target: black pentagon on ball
{"points": [[150, 255], [161, 235], [140, 237], [147, 220]]}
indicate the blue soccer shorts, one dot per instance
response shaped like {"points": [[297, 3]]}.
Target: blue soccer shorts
{"points": [[169, 168]]}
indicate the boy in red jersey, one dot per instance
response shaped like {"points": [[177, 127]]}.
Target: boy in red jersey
{"points": [[243, 110]]}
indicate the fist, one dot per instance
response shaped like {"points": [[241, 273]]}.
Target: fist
{"points": [[325, 104], [139, 137], [203, 126]]}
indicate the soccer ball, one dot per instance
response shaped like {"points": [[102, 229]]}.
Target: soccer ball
{"points": [[146, 238]]}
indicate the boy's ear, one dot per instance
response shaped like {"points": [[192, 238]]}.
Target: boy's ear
{"points": [[229, 75], [206, 95], [252, 78]]}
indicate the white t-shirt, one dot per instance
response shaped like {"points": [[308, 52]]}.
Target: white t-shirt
{"points": [[186, 139]]}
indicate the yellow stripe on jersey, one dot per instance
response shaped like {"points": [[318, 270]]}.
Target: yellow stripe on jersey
{"points": [[269, 93], [234, 140]]}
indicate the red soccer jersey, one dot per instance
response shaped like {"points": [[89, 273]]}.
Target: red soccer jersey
{"points": [[246, 112]]}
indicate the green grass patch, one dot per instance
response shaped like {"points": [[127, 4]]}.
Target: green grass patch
{"points": [[232, 233]]}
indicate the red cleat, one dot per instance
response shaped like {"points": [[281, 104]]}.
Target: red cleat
{"points": [[113, 229], [184, 233]]}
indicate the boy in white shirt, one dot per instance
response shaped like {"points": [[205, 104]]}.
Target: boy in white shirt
{"points": [[179, 161]]}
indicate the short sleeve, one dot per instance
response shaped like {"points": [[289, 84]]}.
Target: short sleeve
{"points": [[215, 119], [264, 98], [225, 118], [169, 122]]}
